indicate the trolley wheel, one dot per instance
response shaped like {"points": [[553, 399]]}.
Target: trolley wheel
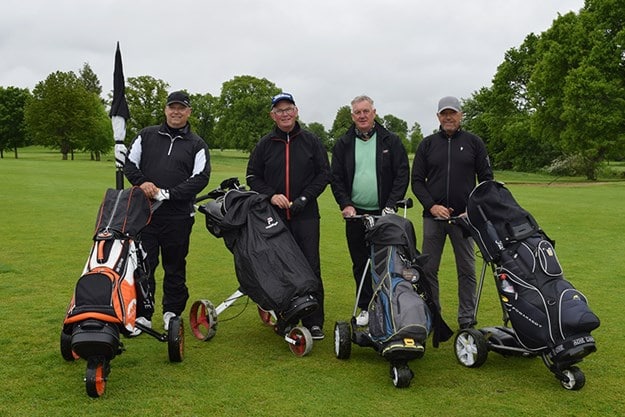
{"points": [[175, 339], [96, 376], [342, 340], [471, 348], [303, 341], [401, 375], [574, 378], [266, 317], [66, 347], [203, 319]]}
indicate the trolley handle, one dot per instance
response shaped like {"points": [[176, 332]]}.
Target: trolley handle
{"points": [[225, 186], [406, 203]]}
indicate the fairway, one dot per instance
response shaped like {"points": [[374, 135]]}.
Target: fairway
{"points": [[48, 210]]}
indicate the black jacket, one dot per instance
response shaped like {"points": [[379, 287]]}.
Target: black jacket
{"points": [[180, 164], [445, 168], [294, 164], [392, 167]]}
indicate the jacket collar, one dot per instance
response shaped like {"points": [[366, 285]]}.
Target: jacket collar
{"points": [[277, 133]]}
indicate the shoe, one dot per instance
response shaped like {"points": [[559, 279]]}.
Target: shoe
{"points": [[363, 318], [467, 325], [317, 333], [142, 321], [166, 318]]}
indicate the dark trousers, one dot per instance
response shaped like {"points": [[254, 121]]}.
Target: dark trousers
{"points": [[169, 239], [359, 251], [306, 233], [434, 236]]}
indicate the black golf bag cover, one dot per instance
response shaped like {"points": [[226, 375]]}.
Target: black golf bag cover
{"points": [[401, 307], [545, 310], [496, 219], [105, 297], [270, 267]]}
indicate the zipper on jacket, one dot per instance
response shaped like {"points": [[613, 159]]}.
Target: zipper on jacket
{"points": [[171, 145], [287, 170], [448, 170]]}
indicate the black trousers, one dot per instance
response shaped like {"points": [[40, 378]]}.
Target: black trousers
{"points": [[360, 252], [168, 239], [306, 233]]}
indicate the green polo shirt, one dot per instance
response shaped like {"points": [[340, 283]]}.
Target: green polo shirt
{"points": [[365, 185]]}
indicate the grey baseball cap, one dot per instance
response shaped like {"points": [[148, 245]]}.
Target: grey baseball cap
{"points": [[449, 102]]}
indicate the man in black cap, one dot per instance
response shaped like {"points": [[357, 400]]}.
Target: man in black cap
{"points": [[171, 164], [444, 172], [290, 165]]}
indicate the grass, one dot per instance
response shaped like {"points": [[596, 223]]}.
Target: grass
{"points": [[48, 209]]}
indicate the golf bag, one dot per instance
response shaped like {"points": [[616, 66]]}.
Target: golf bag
{"points": [[270, 267], [104, 302], [401, 310], [546, 312]]}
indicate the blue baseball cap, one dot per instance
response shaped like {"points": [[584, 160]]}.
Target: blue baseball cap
{"points": [[280, 97]]}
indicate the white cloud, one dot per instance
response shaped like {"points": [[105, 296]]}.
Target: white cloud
{"points": [[404, 54]]}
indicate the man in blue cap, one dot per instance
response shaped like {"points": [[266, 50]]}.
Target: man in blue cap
{"points": [[290, 165]]}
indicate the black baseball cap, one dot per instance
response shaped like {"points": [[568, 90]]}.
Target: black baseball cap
{"points": [[179, 97]]}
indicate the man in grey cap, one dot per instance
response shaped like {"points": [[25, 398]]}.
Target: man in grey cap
{"points": [[444, 172]]}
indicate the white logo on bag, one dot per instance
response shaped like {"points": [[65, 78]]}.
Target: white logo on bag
{"points": [[271, 223]]}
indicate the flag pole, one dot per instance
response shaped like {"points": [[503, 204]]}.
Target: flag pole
{"points": [[119, 114]]}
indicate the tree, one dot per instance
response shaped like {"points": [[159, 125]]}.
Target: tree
{"points": [[146, 97], [416, 136], [318, 129], [90, 80], [98, 143], [203, 116], [594, 93], [12, 126], [61, 113], [397, 126], [242, 112], [341, 124], [559, 51]]}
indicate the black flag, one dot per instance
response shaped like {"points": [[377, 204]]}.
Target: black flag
{"points": [[119, 114]]}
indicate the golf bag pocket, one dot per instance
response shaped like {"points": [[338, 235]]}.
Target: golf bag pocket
{"points": [[575, 315], [547, 259], [412, 315], [402, 315], [103, 295], [530, 322]]}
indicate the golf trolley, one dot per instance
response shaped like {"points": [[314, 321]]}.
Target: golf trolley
{"points": [[104, 301], [543, 314], [400, 311], [204, 315], [472, 345]]}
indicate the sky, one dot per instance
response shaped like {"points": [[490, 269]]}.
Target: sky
{"points": [[404, 54]]}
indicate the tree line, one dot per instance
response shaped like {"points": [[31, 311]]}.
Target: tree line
{"points": [[66, 112], [556, 103]]}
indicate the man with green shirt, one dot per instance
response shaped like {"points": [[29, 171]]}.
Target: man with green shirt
{"points": [[370, 173]]}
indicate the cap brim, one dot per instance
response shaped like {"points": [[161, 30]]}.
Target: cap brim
{"points": [[179, 102], [448, 108], [284, 99]]}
